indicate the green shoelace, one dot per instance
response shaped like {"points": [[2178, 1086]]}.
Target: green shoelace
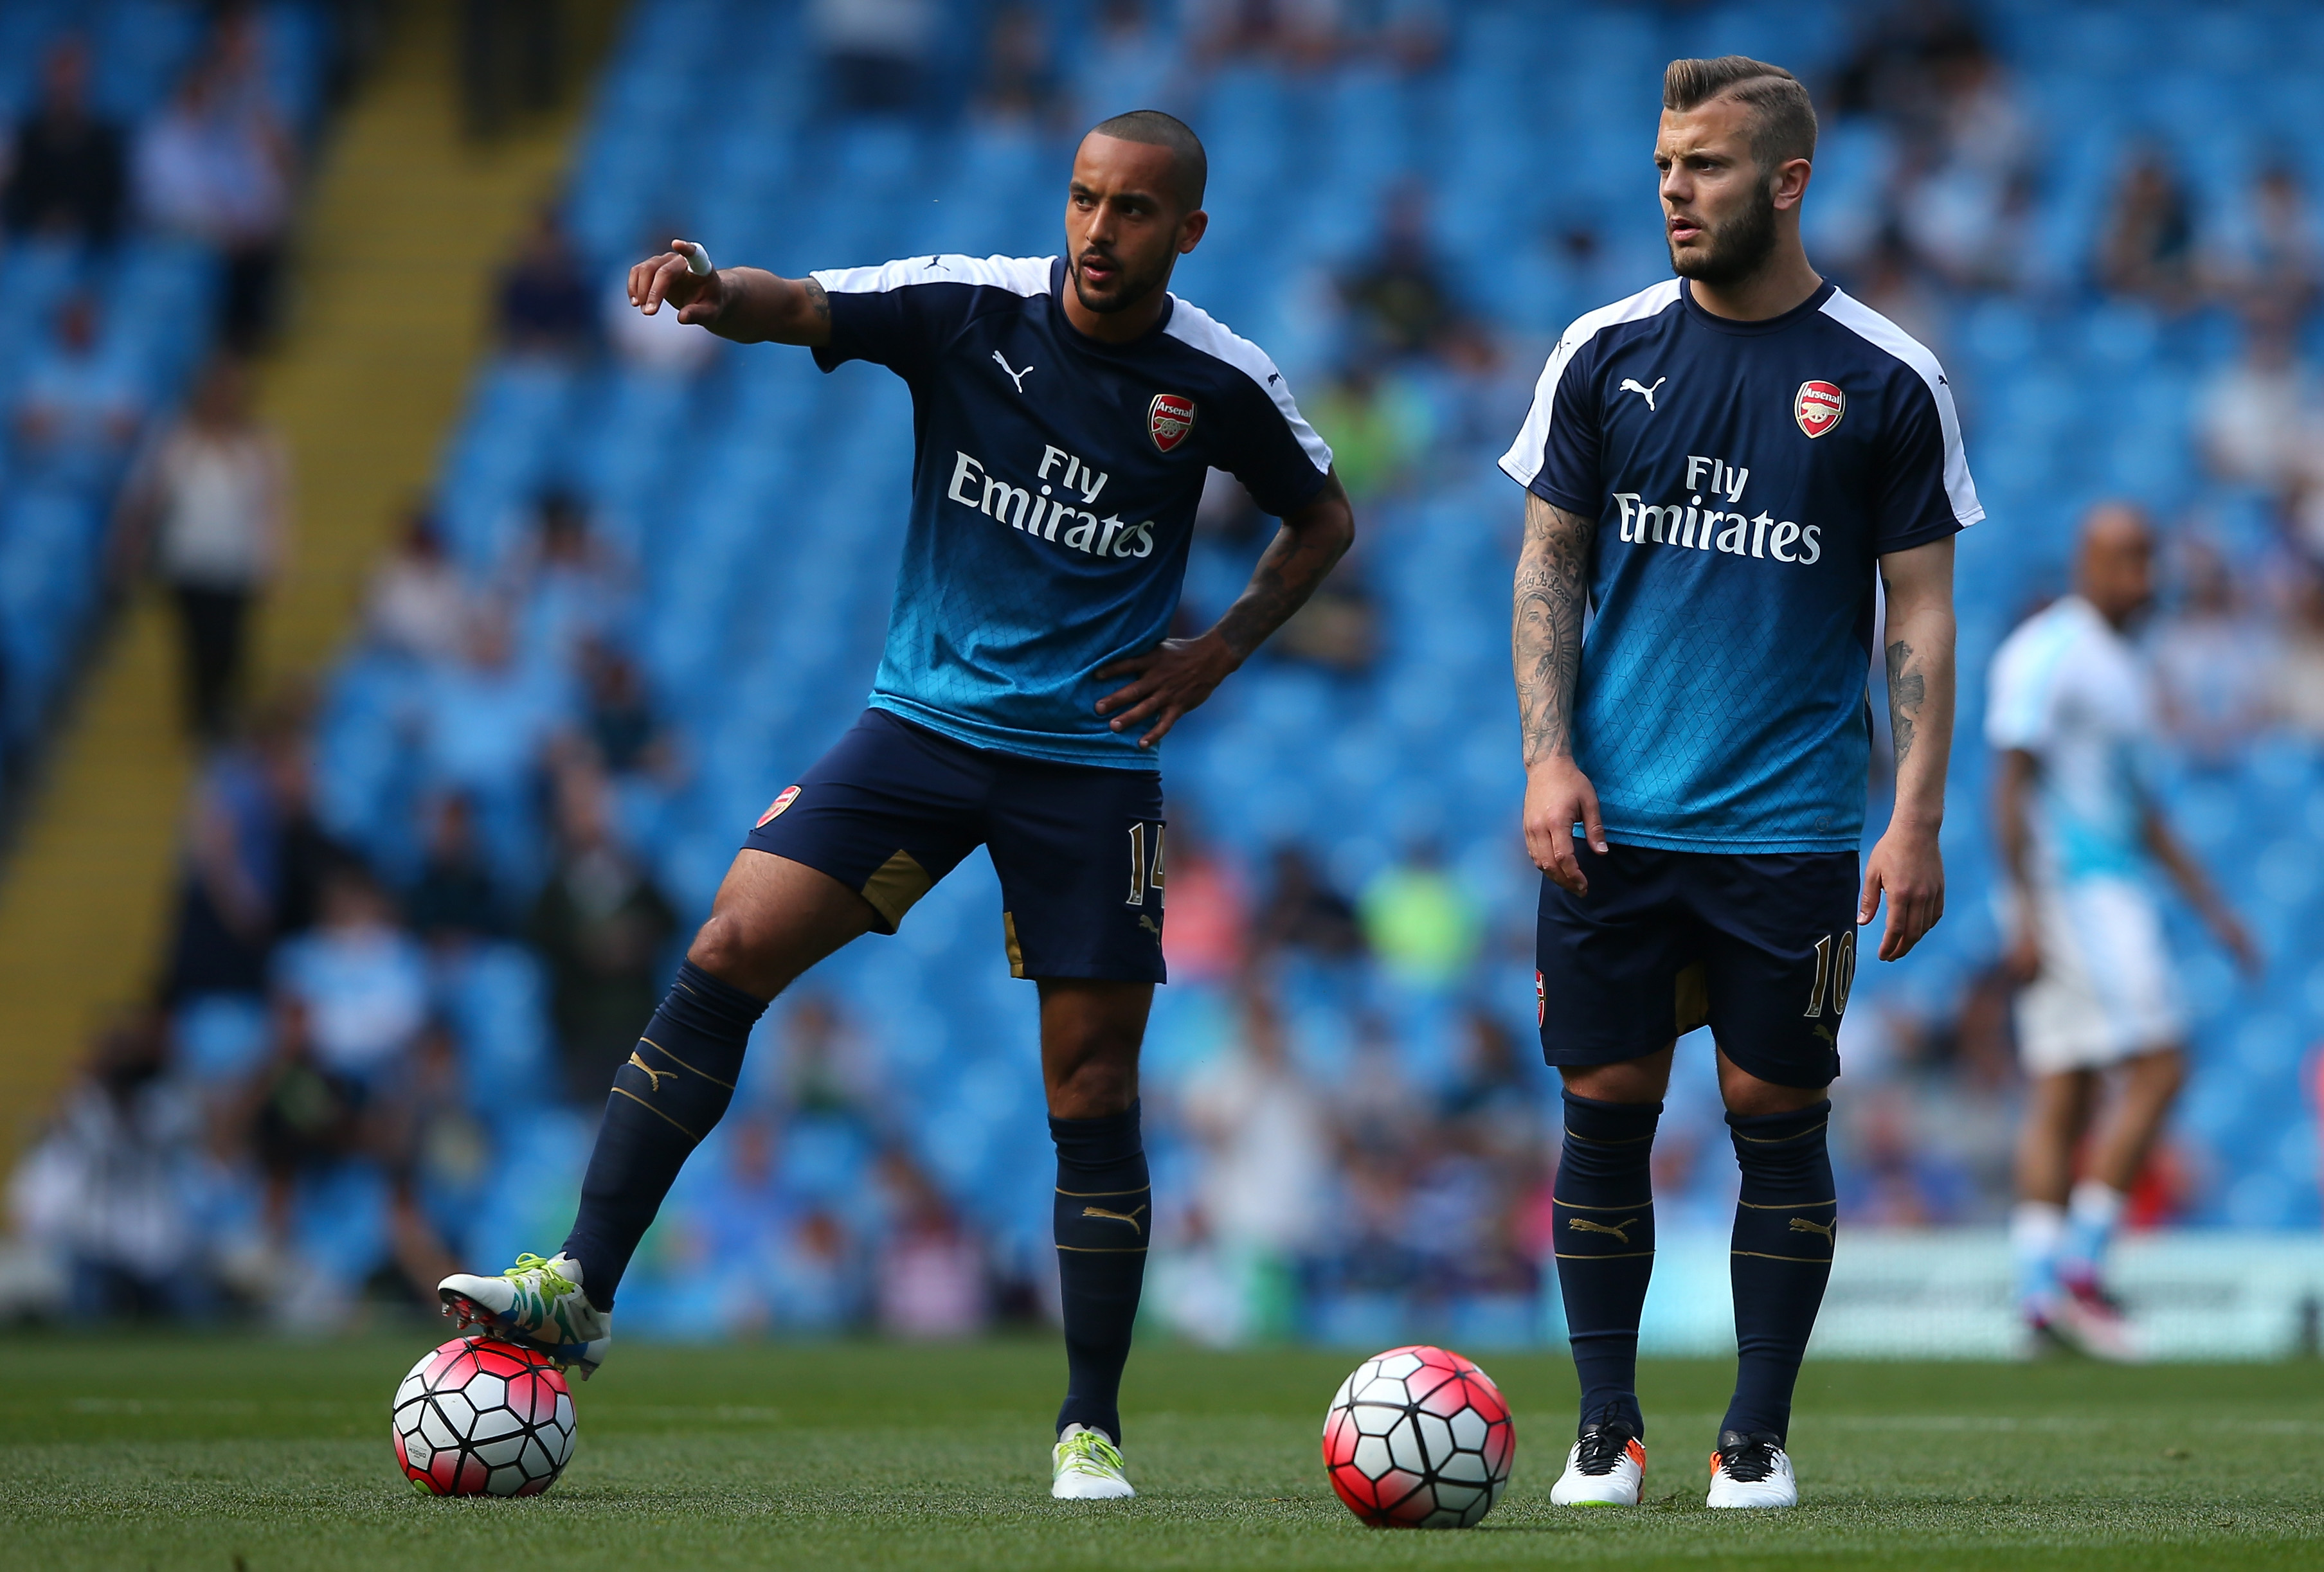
{"points": [[1088, 1450], [554, 1285]]}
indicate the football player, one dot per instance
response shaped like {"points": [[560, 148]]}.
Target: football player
{"points": [[1066, 410], [1716, 468]]}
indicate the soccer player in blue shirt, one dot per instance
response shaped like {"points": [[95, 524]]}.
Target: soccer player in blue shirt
{"points": [[1716, 467], [1066, 410]]}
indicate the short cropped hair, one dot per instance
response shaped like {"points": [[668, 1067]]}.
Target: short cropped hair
{"points": [[1783, 120], [1190, 166]]}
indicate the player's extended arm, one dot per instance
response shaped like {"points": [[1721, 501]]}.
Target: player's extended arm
{"points": [[2197, 887], [747, 305], [1906, 864], [1178, 674], [2013, 788], [1546, 648]]}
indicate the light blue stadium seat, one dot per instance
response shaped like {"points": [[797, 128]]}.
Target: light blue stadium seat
{"points": [[222, 1039]]}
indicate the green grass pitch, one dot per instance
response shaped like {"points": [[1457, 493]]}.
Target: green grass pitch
{"points": [[185, 1452]]}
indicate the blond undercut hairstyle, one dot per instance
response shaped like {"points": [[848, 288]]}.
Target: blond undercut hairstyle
{"points": [[1783, 119]]}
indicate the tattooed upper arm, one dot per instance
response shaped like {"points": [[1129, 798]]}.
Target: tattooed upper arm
{"points": [[819, 302]]}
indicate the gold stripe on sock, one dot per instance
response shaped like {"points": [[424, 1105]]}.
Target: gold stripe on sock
{"points": [[1618, 1255], [1577, 1207], [1763, 1255], [1106, 1250], [658, 1114], [1777, 1140], [682, 1064]]}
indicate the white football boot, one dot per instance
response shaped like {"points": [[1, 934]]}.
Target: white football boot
{"points": [[2082, 1316], [537, 1304], [1751, 1471], [1086, 1465], [1607, 1468]]}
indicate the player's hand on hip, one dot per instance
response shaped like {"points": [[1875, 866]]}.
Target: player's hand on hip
{"points": [[1165, 682], [1557, 797], [1908, 868], [670, 277]]}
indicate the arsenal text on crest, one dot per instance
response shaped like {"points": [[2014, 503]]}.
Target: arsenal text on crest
{"points": [[1168, 419], [1818, 407]]}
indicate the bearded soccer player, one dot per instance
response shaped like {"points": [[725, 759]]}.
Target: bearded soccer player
{"points": [[1066, 410], [1715, 468]]}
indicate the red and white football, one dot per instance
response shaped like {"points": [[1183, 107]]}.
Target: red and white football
{"points": [[480, 1416], [1419, 1437]]}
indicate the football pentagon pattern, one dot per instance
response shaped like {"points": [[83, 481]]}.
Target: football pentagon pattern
{"points": [[1418, 1438], [480, 1416]]}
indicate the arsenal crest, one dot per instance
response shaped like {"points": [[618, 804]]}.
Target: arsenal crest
{"points": [[1168, 419], [1818, 407], [775, 809]]}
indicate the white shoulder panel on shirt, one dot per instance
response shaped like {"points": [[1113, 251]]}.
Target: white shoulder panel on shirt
{"points": [[1524, 459], [2041, 656], [1192, 325], [1875, 329], [1020, 275]]}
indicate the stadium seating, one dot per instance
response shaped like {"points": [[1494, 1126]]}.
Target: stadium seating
{"points": [[154, 293], [763, 503]]}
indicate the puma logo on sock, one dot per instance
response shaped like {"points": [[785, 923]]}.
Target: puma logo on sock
{"points": [[1809, 1226], [654, 1076], [1584, 1226], [1129, 1216]]}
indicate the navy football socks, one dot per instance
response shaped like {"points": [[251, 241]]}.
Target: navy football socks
{"points": [[674, 1088], [1104, 1212], [1784, 1222], [1603, 1215]]}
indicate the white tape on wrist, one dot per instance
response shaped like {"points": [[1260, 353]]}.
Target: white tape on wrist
{"points": [[697, 258]]}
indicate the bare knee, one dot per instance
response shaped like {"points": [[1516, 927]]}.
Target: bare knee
{"points": [[1091, 1034], [2059, 1104], [727, 948], [1747, 1096], [1752, 1098], [1629, 1080], [1094, 1080]]}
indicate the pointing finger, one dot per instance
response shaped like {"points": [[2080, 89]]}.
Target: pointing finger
{"points": [[666, 272]]}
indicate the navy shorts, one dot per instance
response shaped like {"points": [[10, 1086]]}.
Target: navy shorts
{"points": [[893, 807], [1760, 948]]}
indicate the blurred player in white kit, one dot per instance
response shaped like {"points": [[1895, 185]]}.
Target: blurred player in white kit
{"points": [[2069, 713]]}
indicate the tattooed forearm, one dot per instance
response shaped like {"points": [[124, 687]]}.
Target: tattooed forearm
{"points": [[1908, 691], [818, 302], [1294, 562], [1546, 626]]}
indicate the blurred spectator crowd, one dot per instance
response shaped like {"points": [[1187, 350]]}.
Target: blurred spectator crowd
{"points": [[425, 908], [149, 174]]}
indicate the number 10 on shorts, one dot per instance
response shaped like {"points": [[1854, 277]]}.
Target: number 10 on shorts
{"points": [[1836, 971], [1144, 876]]}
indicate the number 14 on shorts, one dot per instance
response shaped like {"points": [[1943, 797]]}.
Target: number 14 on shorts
{"points": [[1144, 876]]}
